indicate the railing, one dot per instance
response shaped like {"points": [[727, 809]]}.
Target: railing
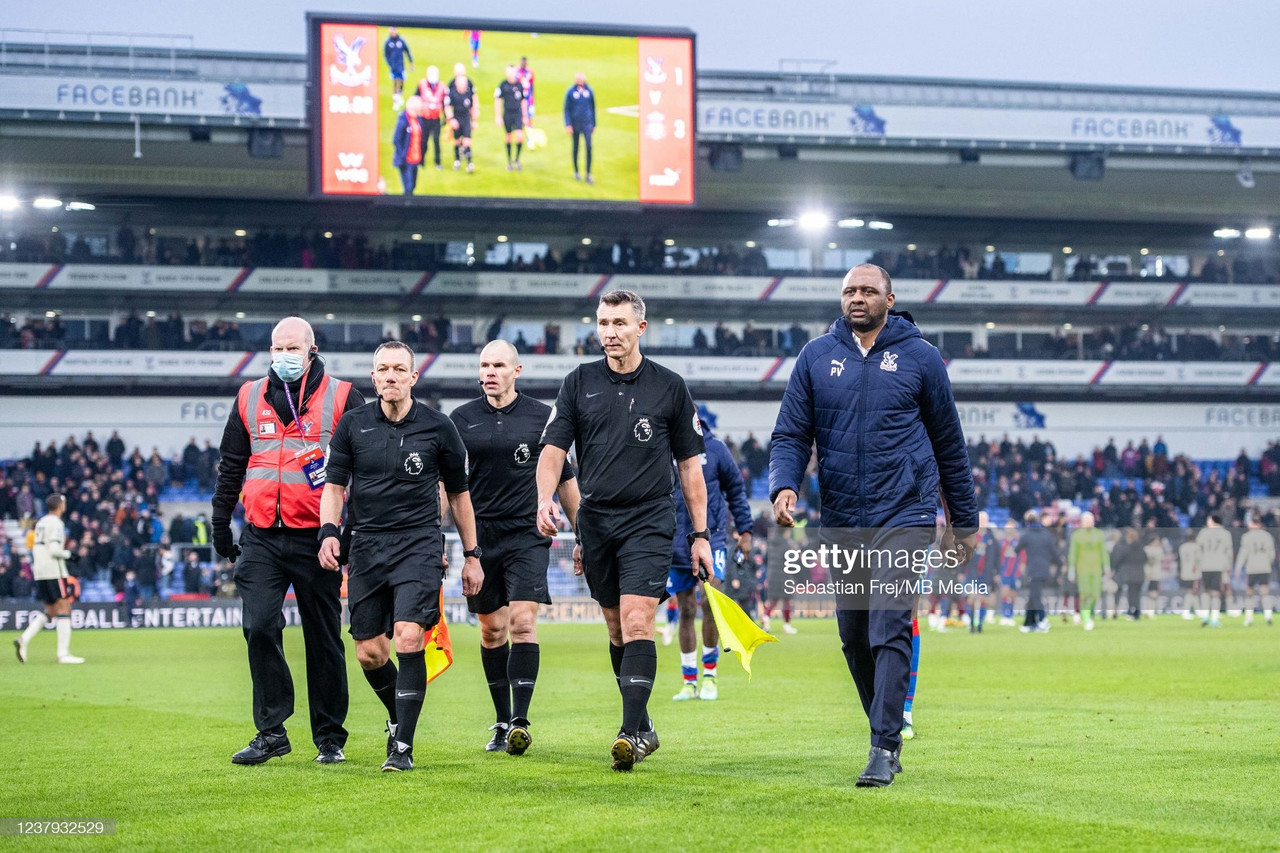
{"points": [[88, 51]]}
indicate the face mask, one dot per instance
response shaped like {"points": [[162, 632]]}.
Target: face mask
{"points": [[288, 365]]}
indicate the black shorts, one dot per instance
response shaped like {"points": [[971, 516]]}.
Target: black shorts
{"points": [[515, 564], [463, 131], [1153, 586], [1183, 583], [1258, 579], [1212, 581], [393, 577], [627, 551], [513, 122], [51, 591]]}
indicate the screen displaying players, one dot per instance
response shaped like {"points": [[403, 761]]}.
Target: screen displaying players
{"points": [[416, 110]]}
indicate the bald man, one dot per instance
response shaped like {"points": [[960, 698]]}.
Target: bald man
{"points": [[273, 451], [502, 431]]}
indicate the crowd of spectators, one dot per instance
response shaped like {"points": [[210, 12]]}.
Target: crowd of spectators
{"points": [[116, 529], [355, 250], [1139, 485]]}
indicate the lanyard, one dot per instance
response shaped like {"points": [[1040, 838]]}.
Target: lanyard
{"points": [[292, 410]]}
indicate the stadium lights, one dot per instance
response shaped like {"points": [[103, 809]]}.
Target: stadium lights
{"points": [[991, 248], [1146, 327], [814, 220], [850, 223], [8, 203], [49, 315], [1066, 250], [239, 232], [751, 244], [668, 242], [911, 247], [877, 225], [151, 315], [990, 325], [502, 238], [670, 321], [1227, 233], [46, 203], [239, 315], [586, 321], [831, 246], [780, 223], [1144, 252], [415, 236], [417, 318], [1221, 253], [328, 235], [1261, 232], [81, 205], [586, 241], [1222, 328], [329, 316], [54, 229], [1066, 327]]}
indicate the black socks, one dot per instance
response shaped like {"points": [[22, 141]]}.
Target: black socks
{"points": [[495, 672], [637, 666], [383, 682], [411, 688], [522, 672]]}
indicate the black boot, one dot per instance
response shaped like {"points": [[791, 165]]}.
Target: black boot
{"points": [[880, 769]]}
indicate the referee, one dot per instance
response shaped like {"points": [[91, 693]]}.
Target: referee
{"points": [[394, 454], [628, 417], [501, 430], [511, 112]]}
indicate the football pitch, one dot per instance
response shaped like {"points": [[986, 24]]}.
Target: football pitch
{"points": [[1159, 735], [611, 66]]}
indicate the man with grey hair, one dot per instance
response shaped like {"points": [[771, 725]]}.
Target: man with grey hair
{"points": [[273, 449], [629, 418]]}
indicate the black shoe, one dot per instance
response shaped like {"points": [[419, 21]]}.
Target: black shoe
{"points": [[897, 760], [518, 737], [391, 738], [879, 772], [331, 753], [650, 740], [499, 742], [398, 760], [263, 748], [627, 751]]}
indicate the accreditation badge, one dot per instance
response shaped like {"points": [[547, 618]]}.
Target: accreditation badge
{"points": [[312, 462]]}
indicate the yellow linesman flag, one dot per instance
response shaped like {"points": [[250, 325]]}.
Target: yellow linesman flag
{"points": [[439, 649], [738, 633]]}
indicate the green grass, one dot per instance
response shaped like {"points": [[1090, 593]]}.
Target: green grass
{"points": [[612, 68], [1155, 735]]}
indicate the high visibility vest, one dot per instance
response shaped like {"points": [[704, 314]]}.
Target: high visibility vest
{"points": [[274, 483]]}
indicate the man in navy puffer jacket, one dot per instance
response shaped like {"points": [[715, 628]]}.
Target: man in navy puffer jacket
{"points": [[874, 397]]}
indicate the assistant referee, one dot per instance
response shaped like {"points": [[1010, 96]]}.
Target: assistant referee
{"points": [[394, 453], [501, 430], [628, 417]]}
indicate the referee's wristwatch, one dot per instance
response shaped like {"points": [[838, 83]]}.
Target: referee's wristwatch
{"points": [[476, 552], [699, 534]]}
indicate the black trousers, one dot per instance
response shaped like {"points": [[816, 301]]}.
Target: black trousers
{"points": [[1035, 602], [272, 560], [1133, 592], [877, 648], [430, 133], [875, 635], [581, 135]]}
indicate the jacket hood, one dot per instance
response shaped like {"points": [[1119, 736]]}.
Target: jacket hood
{"points": [[898, 327]]}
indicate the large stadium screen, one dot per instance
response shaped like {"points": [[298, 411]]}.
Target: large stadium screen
{"points": [[478, 111]]}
